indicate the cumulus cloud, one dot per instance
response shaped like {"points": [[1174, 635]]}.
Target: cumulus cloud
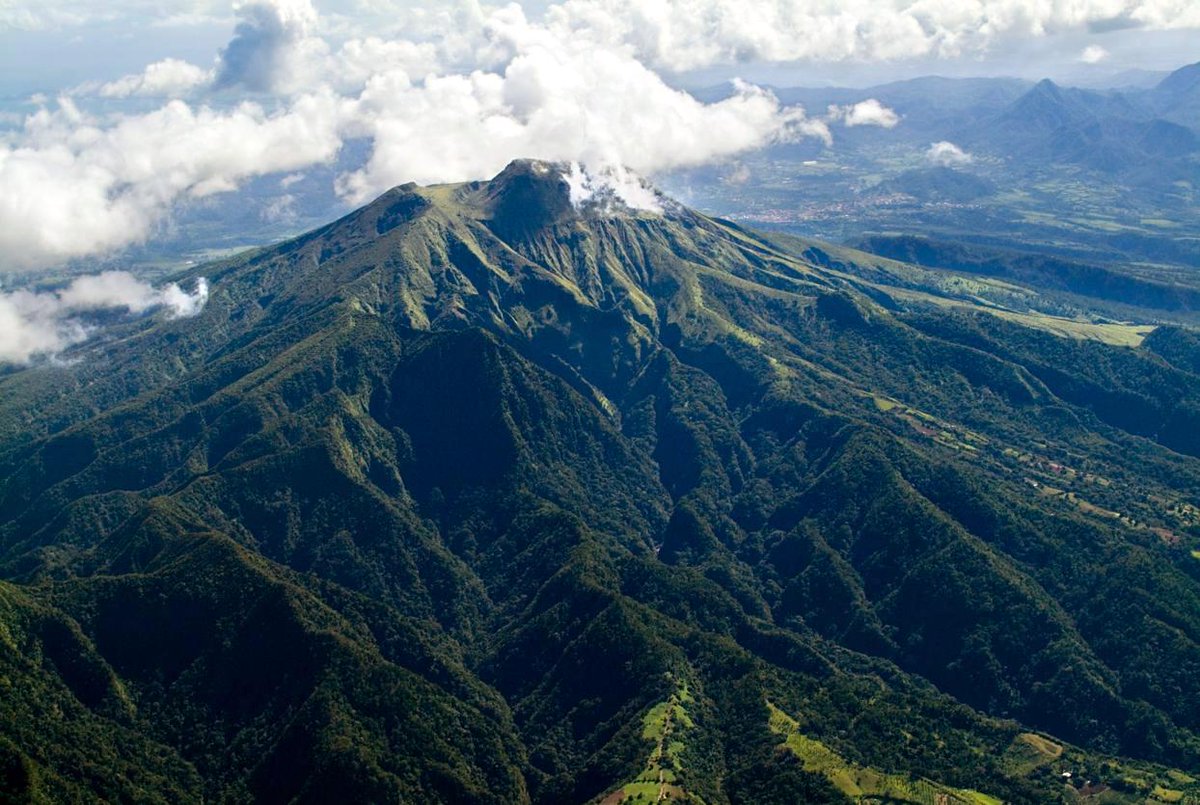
{"points": [[688, 34], [557, 102], [272, 44], [948, 155], [866, 113], [359, 60], [74, 186], [40, 324], [169, 78], [1093, 54]]}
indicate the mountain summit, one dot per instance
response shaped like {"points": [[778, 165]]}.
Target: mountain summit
{"points": [[546, 489]]}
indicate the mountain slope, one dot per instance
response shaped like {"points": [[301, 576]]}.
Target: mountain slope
{"points": [[478, 493], [1179, 95], [1113, 132]]}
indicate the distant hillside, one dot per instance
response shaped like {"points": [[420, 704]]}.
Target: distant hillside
{"points": [[1037, 271], [938, 184], [1183, 81], [1178, 96]]}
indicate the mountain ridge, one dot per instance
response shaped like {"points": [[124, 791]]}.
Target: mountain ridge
{"points": [[451, 454]]}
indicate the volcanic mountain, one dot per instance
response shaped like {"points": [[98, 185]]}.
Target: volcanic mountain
{"points": [[548, 489]]}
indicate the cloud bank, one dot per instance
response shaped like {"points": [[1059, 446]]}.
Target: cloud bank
{"points": [[75, 187], [683, 35], [587, 105], [44, 324]]}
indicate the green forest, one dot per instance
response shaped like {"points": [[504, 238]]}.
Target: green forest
{"points": [[473, 496]]}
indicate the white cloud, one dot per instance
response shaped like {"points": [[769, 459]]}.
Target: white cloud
{"points": [[557, 102], [948, 155], [74, 187], [689, 34], [1093, 54], [38, 324], [665, 30], [169, 78], [611, 187], [360, 59], [865, 113]]}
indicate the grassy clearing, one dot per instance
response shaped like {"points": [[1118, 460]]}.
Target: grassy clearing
{"points": [[1120, 335], [944, 433], [885, 405], [1113, 782], [1113, 333], [666, 725], [1030, 752], [861, 783]]}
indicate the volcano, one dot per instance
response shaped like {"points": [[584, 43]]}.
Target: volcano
{"points": [[549, 489]]}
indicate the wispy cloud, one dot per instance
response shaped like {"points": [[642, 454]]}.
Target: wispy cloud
{"points": [[44, 324]]}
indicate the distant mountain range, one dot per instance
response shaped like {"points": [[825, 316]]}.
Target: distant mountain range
{"points": [[1112, 130], [1106, 177], [486, 494]]}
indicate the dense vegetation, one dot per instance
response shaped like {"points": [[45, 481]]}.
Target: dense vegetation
{"points": [[472, 496]]}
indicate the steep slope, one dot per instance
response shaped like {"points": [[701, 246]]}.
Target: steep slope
{"points": [[506, 492], [1179, 95]]}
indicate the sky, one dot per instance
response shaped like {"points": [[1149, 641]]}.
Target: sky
{"points": [[112, 114]]}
